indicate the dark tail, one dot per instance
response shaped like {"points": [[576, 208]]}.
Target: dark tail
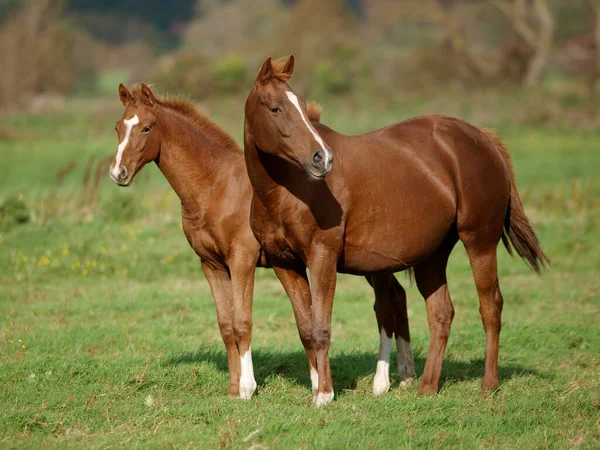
{"points": [[518, 230]]}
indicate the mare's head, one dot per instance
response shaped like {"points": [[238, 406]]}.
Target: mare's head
{"points": [[139, 139], [277, 120]]}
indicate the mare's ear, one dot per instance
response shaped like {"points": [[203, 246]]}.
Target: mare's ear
{"points": [[124, 94], [147, 95], [289, 66], [265, 72]]}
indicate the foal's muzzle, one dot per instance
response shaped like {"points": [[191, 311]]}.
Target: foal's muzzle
{"points": [[120, 176]]}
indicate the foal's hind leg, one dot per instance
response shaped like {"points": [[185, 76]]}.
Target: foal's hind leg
{"points": [[431, 281], [384, 312], [406, 361], [392, 317], [485, 272]]}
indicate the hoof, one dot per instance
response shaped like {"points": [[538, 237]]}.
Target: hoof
{"points": [[427, 389], [489, 387], [380, 386], [323, 398], [247, 389], [404, 384]]}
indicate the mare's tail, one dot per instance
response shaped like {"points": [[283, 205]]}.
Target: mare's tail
{"points": [[518, 230]]}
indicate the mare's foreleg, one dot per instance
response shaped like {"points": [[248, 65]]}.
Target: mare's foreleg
{"points": [[323, 277], [296, 286]]}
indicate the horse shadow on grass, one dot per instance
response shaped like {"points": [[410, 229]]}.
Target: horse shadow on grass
{"points": [[347, 368]]}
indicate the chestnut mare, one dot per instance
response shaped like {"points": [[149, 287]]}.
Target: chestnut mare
{"points": [[206, 169], [396, 198]]}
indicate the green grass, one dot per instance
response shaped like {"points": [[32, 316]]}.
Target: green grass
{"points": [[109, 336]]}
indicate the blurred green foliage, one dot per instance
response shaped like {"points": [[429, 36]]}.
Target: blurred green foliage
{"points": [[231, 74], [13, 212]]}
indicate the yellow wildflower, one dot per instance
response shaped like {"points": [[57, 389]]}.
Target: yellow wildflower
{"points": [[170, 259], [65, 251], [85, 272], [102, 250]]}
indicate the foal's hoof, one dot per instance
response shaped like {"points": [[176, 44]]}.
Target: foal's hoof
{"points": [[323, 398], [406, 382], [380, 386], [247, 389]]}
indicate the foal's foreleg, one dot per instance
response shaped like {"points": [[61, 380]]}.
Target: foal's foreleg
{"points": [[220, 285], [323, 276], [296, 286], [242, 269]]}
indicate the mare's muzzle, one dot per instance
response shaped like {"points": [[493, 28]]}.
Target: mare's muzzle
{"points": [[320, 165]]}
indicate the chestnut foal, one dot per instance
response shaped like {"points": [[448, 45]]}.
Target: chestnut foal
{"points": [[206, 169], [396, 198]]}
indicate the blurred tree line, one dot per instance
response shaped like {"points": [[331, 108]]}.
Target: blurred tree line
{"points": [[214, 47]]}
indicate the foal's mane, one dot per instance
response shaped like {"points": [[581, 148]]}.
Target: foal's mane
{"points": [[313, 109], [187, 111]]}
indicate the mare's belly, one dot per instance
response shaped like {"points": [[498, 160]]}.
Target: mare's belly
{"points": [[394, 240]]}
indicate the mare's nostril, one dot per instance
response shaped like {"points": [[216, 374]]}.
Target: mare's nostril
{"points": [[122, 173], [318, 158]]}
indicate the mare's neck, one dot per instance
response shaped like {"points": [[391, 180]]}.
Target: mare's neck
{"points": [[194, 163]]}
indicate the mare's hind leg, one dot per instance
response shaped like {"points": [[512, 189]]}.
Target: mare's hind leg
{"points": [[392, 318], [485, 272], [433, 286]]}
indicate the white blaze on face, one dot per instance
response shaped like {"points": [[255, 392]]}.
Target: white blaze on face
{"points": [[247, 382], [381, 382], [294, 100], [129, 124]]}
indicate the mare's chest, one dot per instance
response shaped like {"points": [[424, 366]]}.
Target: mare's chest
{"points": [[289, 234]]}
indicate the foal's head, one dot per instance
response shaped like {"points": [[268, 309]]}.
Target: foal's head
{"points": [[139, 140], [276, 117]]}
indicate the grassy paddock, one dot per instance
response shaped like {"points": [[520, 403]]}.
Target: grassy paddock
{"points": [[109, 336]]}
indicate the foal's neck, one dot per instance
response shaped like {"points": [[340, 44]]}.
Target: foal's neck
{"points": [[194, 163]]}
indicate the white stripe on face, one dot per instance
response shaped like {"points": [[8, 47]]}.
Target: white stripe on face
{"points": [[129, 124], [294, 100]]}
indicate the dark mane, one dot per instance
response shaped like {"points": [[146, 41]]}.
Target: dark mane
{"points": [[186, 110]]}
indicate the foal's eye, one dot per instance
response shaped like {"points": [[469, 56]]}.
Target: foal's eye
{"points": [[146, 130], [275, 110]]}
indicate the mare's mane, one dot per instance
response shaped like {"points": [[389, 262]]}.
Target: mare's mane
{"points": [[187, 111]]}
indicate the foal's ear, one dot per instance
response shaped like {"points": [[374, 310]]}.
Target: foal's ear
{"points": [[124, 94], [266, 71], [147, 95], [288, 69]]}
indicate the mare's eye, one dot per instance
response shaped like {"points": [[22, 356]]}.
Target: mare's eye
{"points": [[146, 130], [275, 110]]}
